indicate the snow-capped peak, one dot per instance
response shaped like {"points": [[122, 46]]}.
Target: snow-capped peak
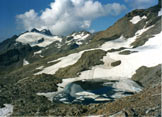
{"points": [[44, 31], [37, 39], [78, 37]]}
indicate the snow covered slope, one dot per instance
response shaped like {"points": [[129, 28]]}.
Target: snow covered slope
{"points": [[63, 62], [129, 63], [147, 55], [37, 39], [78, 37]]}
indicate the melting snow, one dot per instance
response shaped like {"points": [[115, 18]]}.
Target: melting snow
{"points": [[140, 32], [6, 111], [136, 19], [160, 12], [148, 55], [39, 68], [49, 95], [122, 41], [38, 52], [78, 38], [127, 85], [110, 90], [81, 36], [64, 62], [86, 94], [25, 62], [33, 38]]}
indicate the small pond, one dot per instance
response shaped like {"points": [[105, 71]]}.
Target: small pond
{"points": [[94, 91]]}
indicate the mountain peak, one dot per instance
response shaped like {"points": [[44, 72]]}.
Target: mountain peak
{"points": [[46, 32], [35, 30], [84, 32]]}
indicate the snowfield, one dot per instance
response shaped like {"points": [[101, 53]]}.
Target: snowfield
{"points": [[147, 55], [136, 19], [64, 62], [6, 111], [37, 39]]}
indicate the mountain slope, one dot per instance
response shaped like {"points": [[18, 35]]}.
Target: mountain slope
{"points": [[38, 44], [125, 26]]}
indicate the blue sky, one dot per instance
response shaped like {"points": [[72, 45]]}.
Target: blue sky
{"points": [[18, 16]]}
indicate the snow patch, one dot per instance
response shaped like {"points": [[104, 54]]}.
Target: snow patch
{"points": [[6, 111], [25, 62], [136, 19], [37, 39], [86, 94], [160, 12], [49, 95], [81, 36], [127, 85], [140, 32], [78, 38], [38, 52], [122, 41], [64, 62], [58, 45], [40, 68]]}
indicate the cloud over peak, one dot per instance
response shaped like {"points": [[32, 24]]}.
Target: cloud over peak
{"points": [[66, 16]]}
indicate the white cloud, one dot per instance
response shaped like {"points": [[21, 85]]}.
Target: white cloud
{"points": [[139, 4], [66, 16], [29, 19]]}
